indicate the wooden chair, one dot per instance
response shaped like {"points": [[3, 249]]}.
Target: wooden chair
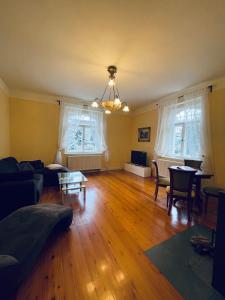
{"points": [[160, 181], [211, 191], [180, 188], [195, 164]]}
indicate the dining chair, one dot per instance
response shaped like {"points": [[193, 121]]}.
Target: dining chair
{"points": [[195, 164], [160, 181], [180, 188]]}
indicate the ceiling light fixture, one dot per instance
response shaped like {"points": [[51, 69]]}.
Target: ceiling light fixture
{"points": [[110, 100]]}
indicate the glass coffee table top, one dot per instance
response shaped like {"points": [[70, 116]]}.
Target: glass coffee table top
{"points": [[71, 178]]}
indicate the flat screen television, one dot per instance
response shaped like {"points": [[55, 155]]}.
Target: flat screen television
{"points": [[139, 158]]}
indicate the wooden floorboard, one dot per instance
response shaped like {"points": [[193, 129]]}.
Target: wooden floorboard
{"points": [[102, 255]]}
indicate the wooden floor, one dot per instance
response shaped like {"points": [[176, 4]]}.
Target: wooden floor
{"points": [[102, 255]]}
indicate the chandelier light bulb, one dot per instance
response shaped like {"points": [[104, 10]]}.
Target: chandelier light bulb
{"points": [[111, 82], [126, 108], [117, 101], [94, 104], [108, 112]]}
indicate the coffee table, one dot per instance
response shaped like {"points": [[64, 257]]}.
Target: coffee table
{"points": [[72, 181]]}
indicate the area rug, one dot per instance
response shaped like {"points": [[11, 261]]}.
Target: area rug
{"points": [[189, 272]]}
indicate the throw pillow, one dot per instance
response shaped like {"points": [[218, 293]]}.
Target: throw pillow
{"points": [[54, 167]]}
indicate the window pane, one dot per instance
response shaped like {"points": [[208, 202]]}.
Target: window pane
{"points": [[89, 141], [178, 139], [76, 141], [192, 140]]}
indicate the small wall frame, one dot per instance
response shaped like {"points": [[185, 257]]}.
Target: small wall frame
{"points": [[144, 134]]}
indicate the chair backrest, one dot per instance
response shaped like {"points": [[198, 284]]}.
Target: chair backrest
{"points": [[195, 164], [181, 180], [154, 162]]}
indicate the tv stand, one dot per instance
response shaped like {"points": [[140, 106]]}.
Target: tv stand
{"points": [[138, 170]]}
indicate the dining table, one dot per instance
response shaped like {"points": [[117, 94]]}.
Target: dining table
{"points": [[198, 177]]}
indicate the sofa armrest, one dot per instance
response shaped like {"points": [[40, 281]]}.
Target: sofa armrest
{"points": [[20, 175], [16, 194]]}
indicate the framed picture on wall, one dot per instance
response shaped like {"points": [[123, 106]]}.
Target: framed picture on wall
{"points": [[144, 134]]}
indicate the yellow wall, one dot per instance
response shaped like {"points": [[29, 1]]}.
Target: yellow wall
{"points": [[217, 114], [4, 125], [34, 133], [146, 119], [33, 130], [119, 138]]}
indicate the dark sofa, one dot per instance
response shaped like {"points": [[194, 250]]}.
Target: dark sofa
{"points": [[22, 236], [50, 176], [18, 187]]}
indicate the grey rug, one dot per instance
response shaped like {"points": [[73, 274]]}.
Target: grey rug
{"points": [[189, 272]]}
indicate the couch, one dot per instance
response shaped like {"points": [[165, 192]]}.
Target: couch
{"points": [[21, 183], [22, 237], [18, 187], [50, 174]]}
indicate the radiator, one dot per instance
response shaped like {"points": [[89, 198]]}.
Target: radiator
{"points": [[84, 162], [164, 164]]}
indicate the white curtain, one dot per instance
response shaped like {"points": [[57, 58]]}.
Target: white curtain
{"points": [[71, 117], [98, 118], [200, 97], [190, 115], [166, 120]]}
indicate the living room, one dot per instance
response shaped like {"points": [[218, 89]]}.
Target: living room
{"points": [[102, 105]]}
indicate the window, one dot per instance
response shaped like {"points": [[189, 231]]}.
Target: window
{"points": [[82, 130], [186, 133], [181, 128], [82, 138]]}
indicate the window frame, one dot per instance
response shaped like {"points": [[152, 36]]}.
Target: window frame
{"points": [[84, 124]]}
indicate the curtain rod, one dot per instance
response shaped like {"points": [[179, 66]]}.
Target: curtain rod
{"points": [[81, 104], [209, 87]]}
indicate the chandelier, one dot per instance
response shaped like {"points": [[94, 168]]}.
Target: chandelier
{"points": [[110, 100]]}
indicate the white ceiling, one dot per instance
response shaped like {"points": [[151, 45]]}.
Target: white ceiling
{"points": [[63, 47]]}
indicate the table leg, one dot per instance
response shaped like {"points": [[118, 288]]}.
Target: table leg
{"points": [[198, 195], [62, 194]]}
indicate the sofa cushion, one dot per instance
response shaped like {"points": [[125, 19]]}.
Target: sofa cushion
{"points": [[36, 164], [26, 166], [9, 165]]}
